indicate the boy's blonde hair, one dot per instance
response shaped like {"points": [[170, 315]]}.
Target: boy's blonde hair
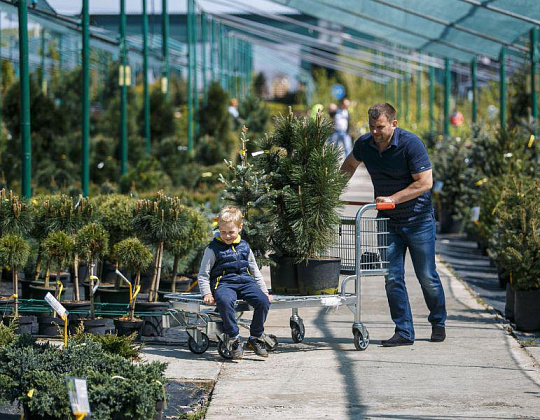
{"points": [[230, 214]]}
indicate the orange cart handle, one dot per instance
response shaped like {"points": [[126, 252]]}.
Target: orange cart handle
{"points": [[386, 206]]}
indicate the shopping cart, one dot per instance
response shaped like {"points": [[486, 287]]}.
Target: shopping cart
{"points": [[361, 243]]}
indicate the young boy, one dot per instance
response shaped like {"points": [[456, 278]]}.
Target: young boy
{"points": [[229, 272]]}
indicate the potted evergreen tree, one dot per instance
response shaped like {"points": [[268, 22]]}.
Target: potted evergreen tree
{"points": [[57, 250], [92, 243], [158, 221], [519, 214], [16, 217], [196, 236], [132, 255], [305, 170], [248, 187], [14, 251]]}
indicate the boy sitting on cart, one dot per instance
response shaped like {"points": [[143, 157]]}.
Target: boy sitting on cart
{"points": [[229, 272]]}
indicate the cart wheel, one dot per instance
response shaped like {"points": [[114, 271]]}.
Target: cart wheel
{"points": [[223, 351], [361, 342], [271, 342], [198, 348], [297, 332]]}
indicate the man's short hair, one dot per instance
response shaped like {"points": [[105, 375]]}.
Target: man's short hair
{"points": [[230, 214], [382, 109]]}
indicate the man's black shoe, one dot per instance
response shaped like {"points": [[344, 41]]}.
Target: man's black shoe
{"points": [[397, 340], [438, 334]]}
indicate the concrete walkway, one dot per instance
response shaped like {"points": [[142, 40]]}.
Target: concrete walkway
{"points": [[480, 371]]}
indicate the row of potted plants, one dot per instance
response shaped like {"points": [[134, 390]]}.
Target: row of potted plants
{"points": [[489, 185], [62, 232]]}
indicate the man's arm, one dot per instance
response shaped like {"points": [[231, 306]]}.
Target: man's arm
{"points": [[349, 165], [423, 182]]}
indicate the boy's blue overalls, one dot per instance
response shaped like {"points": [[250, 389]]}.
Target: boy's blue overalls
{"points": [[230, 280]]}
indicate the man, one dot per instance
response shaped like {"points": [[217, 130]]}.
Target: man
{"points": [[341, 126], [400, 170]]}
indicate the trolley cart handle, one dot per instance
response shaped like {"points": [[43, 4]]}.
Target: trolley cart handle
{"points": [[380, 206], [386, 206]]}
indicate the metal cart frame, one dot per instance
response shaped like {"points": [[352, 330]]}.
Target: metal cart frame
{"points": [[203, 323]]}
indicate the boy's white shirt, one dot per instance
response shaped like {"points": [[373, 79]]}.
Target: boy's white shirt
{"points": [[208, 261]]}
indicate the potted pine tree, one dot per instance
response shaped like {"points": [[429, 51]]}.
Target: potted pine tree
{"points": [[305, 170], [519, 214], [158, 221], [57, 251], [195, 237], [14, 251], [92, 243], [134, 256], [17, 218]]}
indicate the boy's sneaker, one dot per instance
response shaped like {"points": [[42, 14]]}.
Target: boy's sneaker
{"points": [[258, 346], [237, 348]]}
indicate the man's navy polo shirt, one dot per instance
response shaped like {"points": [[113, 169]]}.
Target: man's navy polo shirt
{"points": [[391, 171]]}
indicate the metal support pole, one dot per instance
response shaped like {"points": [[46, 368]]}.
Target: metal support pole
{"points": [[123, 82], [195, 18], [221, 56], [42, 81], [431, 99], [474, 77], [249, 65], [447, 87], [86, 98], [534, 62], [165, 48], [418, 96], [204, 30], [407, 81], [145, 79], [190, 75], [399, 92], [212, 49], [502, 86], [26, 141]]}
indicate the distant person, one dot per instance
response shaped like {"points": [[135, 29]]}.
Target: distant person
{"points": [[229, 272], [340, 136], [233, 110], [400, 170]]}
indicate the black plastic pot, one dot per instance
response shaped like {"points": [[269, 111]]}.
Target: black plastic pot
{"points": [[40, 291], [126, 327], [78, 310], [284, 276], [48, 326], [319, 276], [96, 326], [30, 415], [153, 324], [25, 324], [6, 305], [112, 295], [509, 303], [527, 310]]}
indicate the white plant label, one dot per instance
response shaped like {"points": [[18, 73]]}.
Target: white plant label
{"points": [[78, 395], [57, 306], [475, 214], [438, 186]]}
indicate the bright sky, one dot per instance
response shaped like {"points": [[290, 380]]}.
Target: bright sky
{"points": [[71, 7]]}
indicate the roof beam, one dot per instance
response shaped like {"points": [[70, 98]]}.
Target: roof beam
{"points": [[520, 48], [485, 5]]}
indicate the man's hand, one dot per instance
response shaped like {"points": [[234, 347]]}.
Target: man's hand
{"points": [[270, 297], [209, 299], [385, 200]]}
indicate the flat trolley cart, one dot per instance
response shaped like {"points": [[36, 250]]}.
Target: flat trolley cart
{"points": [[362, 245]]}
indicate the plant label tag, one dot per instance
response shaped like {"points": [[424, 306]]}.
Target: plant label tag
{"points": [[78, 395], [57, 306], [475, 214], [437, 186]]}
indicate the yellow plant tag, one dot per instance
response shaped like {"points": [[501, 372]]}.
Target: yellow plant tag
{"points": [[31, 393], [531, 141]]}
